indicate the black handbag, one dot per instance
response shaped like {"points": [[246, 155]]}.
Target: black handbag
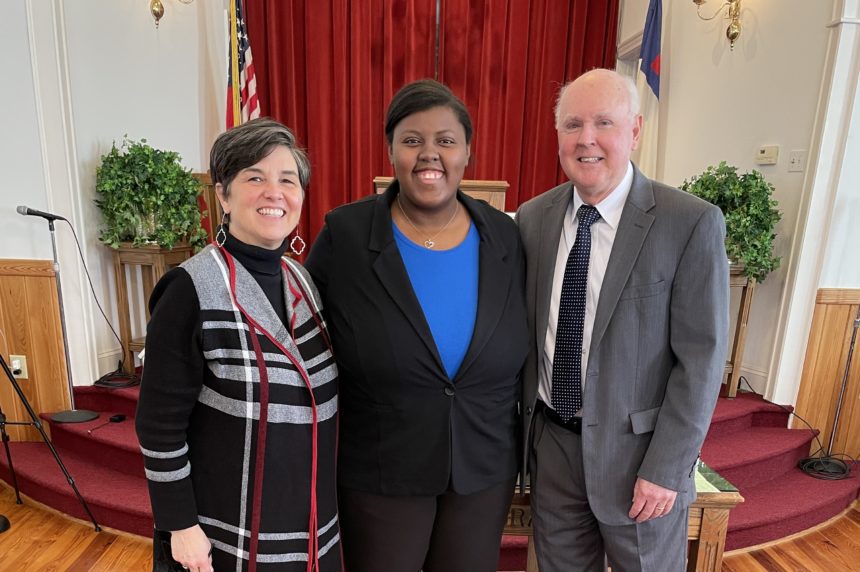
{"points": [[162, 555]]}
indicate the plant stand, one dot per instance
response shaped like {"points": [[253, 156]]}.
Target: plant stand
{"points": [[733, 365], [154, 262]]}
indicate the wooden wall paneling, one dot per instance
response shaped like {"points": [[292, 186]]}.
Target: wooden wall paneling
{"points": [[14, 326], [51, 388], [824, 353], [30, 320], [824, 367], [806, 392], [848, 432]]}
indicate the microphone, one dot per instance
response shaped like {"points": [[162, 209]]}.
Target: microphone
{"points": [[27, 211]]}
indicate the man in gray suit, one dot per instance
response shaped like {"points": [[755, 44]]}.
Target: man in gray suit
{"points": [[627, 293]]}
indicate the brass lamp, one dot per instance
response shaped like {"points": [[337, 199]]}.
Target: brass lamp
{"points": [[733, 14], [156, 8]]}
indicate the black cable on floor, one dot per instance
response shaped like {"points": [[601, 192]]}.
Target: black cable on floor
{"points": [[832, 467]]}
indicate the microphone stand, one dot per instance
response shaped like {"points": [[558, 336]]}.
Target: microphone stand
{"points": [[4, 522], [72, 415], [35, 422], [829, 464]]}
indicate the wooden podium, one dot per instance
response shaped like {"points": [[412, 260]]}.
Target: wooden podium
{"points": [[154, 262], [707, 522], [491, 191]]}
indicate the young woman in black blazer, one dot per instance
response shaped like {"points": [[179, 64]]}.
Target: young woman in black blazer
{"points": [[422, 289]]}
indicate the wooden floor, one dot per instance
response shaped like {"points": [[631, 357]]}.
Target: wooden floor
{"points": [[42, 539], [832, 546]]}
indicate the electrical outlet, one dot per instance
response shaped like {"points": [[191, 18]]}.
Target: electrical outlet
{"points": [[18, 365], [797, 161]]}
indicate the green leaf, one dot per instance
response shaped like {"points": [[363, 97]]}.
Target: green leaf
{"points": [[750, 211], [145, 196]]}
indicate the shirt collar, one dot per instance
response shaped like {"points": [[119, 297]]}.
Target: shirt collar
{"points": [[612, 205]]}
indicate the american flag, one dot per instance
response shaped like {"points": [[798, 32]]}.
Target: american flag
{"points": [[242, 102]]}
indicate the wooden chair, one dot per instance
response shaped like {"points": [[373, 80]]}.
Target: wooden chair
{"points": [[209, 205]]}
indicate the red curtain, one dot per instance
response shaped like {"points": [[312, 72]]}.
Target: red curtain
{"points": [[328, 70]]}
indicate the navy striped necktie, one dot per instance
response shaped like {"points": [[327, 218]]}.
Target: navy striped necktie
{"points": [[567, 360]]}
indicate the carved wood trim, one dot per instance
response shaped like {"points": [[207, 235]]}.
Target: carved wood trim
{"points": [[838, 296], [17, 267]]}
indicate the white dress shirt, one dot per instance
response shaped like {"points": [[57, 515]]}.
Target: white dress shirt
{"points": [[602, 236]]}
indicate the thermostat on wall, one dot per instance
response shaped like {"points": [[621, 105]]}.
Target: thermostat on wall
{"points": [[767, 155]]}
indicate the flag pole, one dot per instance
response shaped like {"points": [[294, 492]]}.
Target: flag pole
{"points": [[234, 65]]}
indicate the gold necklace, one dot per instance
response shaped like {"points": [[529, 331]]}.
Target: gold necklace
{"points": [[430, 242]]}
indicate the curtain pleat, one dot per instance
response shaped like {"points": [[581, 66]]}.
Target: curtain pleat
{"points": [[329, 69]]}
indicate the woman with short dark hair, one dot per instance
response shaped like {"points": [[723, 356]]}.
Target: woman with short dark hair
{"points": [[238, 404], [424, 295]]}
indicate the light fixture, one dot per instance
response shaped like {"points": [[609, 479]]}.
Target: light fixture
{"points": [[156, 8], [733, 14]]}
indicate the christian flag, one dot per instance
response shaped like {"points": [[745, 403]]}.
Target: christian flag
{"points": [[650, 51], [242, 103]]}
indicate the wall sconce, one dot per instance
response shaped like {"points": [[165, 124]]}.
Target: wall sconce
{"points": [[156, 8], [733, 14]]}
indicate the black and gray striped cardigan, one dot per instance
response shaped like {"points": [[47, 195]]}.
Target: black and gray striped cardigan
{"points": [[199, 424]]}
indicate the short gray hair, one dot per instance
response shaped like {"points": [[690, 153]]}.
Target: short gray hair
{"points": [[626, 82], [247, 144]]}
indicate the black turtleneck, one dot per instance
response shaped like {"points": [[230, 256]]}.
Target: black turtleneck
{"points": [[265, 266]]}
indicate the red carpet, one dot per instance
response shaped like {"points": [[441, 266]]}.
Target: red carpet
{"points": [[748, 443], [107, 466]]}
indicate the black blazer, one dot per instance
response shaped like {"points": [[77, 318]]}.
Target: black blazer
{"points": [[405, 428]]}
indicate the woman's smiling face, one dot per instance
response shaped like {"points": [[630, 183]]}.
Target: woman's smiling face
{"points": [[264, 201], [429, 154]]}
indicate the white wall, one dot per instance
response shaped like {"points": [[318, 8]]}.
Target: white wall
{"points": [[135, 80], [717, 104], [842, 261], [20, 147], [86, 73]]}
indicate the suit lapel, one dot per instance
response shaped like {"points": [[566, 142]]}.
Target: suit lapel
{"points": [[632, 229], [494, 283], [550, 225], [390, 270]]}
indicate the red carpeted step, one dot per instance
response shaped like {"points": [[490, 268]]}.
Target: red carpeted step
{"points": [[744, 411], [791, 503], [756, 455], [97, 398], [115, 445], [115, 499], [514, 553]]}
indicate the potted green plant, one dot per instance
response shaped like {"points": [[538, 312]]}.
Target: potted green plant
{"points": [[751, 215], [147, 197]]}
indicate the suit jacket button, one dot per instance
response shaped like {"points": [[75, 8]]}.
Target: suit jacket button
{"points": [[449, 391], [528, 410]]}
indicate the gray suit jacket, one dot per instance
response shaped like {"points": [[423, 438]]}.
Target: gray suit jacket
{"points": [[659, 341]]}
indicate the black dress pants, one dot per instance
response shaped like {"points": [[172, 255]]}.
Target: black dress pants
{"points": [[444, 533]]}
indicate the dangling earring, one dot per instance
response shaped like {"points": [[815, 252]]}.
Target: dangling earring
{"points": [[221, 235], [297, 244]]}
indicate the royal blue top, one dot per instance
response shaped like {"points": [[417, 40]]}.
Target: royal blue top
{"points": [[446, 284]]}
